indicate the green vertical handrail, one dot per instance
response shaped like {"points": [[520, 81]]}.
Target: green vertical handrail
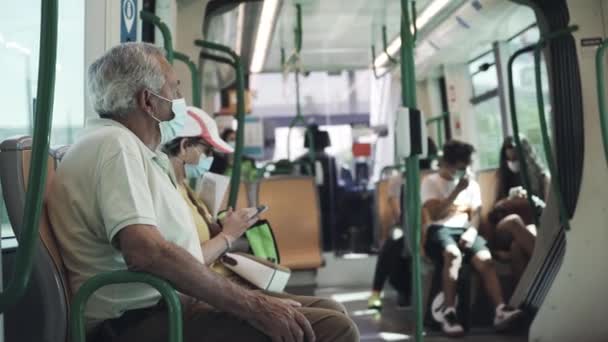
{"points": [[543, 122], [37, 176], [170, 297], [601, 93], [237, 64], [195, 76], [520, 150], [164, 30], [412, 196]]}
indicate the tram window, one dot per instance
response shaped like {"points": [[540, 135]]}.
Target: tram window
{"points": [[486, 109], [339, 135], [525, 90], [19, 51]]}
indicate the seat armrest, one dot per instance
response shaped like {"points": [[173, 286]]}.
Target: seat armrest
{"points": [[77, 322]]}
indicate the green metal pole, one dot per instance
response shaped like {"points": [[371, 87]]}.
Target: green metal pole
{"points": [[520, 149], [385, 44], [78, 305], [601, 93], [164, 30], [412, 195], [195, 75], [240, 116], [543, 123], [37, 177]]}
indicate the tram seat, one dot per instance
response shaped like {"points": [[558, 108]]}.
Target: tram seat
{"points": [[48, 290], [487, 182], [293, 204], [243, 199], [383, 215]]}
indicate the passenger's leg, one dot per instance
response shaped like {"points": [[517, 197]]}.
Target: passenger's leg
{"points": [[386, 259], [519, 260], [525, 236], [312, 302], [452, 261], [203, 323], [483, 263]]}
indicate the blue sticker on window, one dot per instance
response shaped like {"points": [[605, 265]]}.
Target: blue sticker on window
{"points": [[128, 21]]}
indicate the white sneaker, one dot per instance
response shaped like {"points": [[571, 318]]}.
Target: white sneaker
{"points": [[449, 323], [505, 315]]}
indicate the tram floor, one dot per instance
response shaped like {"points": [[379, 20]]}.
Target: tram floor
{"points": [[395, 323]]}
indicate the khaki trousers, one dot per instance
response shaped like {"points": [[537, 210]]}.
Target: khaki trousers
{"points": [[203, 323]]}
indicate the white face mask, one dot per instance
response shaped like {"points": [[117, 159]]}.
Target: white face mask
{"points": [[514, 166], [170, 129]]}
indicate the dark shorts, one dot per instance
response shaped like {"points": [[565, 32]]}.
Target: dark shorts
{"points": [[439, 237]]}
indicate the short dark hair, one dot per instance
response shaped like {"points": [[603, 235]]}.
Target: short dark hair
{"points": [[455, 151]]}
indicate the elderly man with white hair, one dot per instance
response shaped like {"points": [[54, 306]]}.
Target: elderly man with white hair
{"points": [[114, 207]]}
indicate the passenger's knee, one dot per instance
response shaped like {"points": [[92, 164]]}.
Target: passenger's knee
{"points": [[511, 222], [452, 255], [329, 304], [484, 262], [345, 329]]}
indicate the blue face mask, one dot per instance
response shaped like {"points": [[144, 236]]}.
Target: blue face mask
{"points": [[196, 171], [170, 129]]}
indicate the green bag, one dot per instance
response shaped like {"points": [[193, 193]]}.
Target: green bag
{"points": [[262, 242]]}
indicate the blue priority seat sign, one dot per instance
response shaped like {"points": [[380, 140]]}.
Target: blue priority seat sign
{"points": [[128, 21]]}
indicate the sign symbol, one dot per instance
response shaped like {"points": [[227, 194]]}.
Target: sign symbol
{"points": [[128, 12]]}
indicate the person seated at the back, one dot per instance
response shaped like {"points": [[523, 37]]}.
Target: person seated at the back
{"points": [[451, 208], [114, 207]]}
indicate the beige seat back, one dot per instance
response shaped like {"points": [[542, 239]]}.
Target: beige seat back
{"points": [[487, 182], [49, 284], [293, 212]]}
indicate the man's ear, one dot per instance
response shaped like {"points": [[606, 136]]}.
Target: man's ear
{"points": [[144, 101]]}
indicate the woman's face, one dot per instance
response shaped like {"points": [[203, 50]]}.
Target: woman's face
{"points": [[191, 154]]}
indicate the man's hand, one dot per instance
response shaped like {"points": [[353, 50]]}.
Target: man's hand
{"points": [[467, 238], [279, 320], [462, 184]]}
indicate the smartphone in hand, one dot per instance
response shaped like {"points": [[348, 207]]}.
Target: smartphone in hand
{"points": [[259, 210]]}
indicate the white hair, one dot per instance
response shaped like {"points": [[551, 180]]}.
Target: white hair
{"points": [[116, 77]]}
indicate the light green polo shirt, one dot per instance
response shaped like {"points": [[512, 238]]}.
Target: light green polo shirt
{"points": [[107, 181]]}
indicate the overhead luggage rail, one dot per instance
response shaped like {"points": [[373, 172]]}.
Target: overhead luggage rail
{"points": [[17, 284]]}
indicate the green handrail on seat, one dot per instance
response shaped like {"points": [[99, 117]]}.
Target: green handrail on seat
{"points": [[543, 122], [601, 93], [520, 150], [236, 63], [77, 321], [164, 30], [195, 76], [37, 177], [412, 196]]}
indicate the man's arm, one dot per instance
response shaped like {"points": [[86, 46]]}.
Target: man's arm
{"points": [[144, 249], [441, 208]]}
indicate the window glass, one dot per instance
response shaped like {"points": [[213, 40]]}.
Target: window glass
{"points": [[483, 74], [19, 52], [340, 137], [525, 91], [489, 130]]}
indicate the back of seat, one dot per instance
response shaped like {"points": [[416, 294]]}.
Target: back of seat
{"points": [[487, 182], [242, 199], [42, 315], [384, 216], [293, 212]]}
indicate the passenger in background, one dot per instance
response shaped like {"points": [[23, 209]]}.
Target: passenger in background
{"points": [[451, 209], [393, 264], [224, 162], [512, 215], [115, 208]]}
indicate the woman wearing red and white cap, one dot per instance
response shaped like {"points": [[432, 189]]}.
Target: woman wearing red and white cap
{"points": [[191, 156]]}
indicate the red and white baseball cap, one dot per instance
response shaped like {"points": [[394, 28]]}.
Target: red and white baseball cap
{"points": [[200, 124]]}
